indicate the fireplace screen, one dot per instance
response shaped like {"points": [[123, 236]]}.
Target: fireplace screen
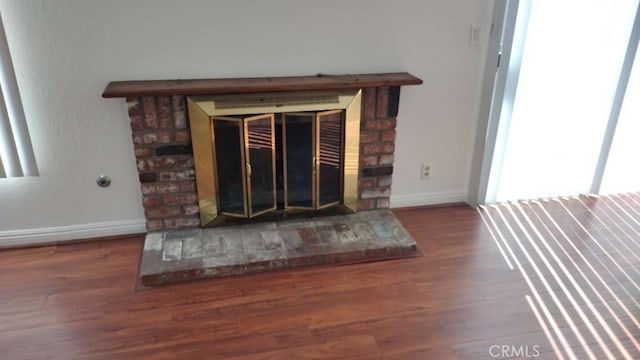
{"points": [[249, 164], [245, 162], [312, 159]]}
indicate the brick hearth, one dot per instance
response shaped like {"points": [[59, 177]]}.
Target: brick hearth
{"points": [[187, 254]]}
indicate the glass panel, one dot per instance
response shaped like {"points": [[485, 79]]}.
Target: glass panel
{"points": [[261, 163], [573, 53], [621, 175], [230, 165], [279, 163], [299, 160], [330, 157]]}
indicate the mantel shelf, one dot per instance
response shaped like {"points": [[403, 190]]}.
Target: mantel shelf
{"points": [[117, 89]]}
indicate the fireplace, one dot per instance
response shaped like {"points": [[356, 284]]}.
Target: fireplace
{"points": [[240, 175], [276, 154]]}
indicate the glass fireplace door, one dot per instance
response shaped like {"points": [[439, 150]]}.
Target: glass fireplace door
{"points": [[313, 149], [245, 165], [230, 166], [329, 158], [260, 163], [298, 132]]}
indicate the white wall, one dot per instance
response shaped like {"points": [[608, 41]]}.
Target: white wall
{"points": [[66, 51]]}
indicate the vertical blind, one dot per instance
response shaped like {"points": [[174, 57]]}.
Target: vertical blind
{"points": [[16, 152]]}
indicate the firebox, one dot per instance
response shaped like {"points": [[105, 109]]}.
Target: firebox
{"points": [[275, 153]]}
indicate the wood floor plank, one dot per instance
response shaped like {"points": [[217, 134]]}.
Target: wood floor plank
{"points": [[80, 301]]}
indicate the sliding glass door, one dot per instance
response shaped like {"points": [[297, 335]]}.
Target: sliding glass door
{"points": [[621, 172], [555, 120]]}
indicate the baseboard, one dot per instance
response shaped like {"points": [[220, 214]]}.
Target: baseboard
{"points": [[125, 227], [428, 198], [68, 233]]}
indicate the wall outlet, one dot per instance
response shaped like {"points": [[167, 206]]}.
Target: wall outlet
{"points": [[426, 170]]}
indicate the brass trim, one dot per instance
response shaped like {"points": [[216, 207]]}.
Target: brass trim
{"points": [[344, 97], [247, 159], [202, 112], [244, 101], [352, 152], [204, 160]]}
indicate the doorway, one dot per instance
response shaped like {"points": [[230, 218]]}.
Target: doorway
{"points": [[559, 91]]}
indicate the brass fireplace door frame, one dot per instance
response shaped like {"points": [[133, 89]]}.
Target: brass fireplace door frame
{"points": [[203, 110]]}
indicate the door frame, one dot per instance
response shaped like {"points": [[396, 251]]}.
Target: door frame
{"points": [[494, 83]]}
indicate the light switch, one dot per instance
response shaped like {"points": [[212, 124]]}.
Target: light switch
{"points": [[475, 37]]}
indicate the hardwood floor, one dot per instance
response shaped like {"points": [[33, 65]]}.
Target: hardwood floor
{"points": [[572, 293]]}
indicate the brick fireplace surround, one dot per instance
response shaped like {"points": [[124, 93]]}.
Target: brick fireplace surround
{"points": [[162, 139]]}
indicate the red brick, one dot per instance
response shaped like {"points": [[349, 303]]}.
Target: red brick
{"points": [[136, 123], [176, 175], [367, 137], [165, 118], [371, 149], [369, 103], [154, 225], [190, 209], [384, 181], [151, 201], [179, 113], [155, 137], [366, 183], [380, 124], [383, 203], [375, 193], [159, 188], [382, 101], [180, 199], [187, 186], [134, 107], [149, 108], [366, 204], [386, 159], [181, 222], [144, 151], [388, 148], [162, 212], [389, 135], [369, 160], [183, 136], [165, 162]]}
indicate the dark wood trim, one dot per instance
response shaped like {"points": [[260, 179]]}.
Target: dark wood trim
{"points": [[251, 85]]}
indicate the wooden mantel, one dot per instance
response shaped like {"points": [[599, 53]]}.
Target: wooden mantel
{"points": [[252, 85]]}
